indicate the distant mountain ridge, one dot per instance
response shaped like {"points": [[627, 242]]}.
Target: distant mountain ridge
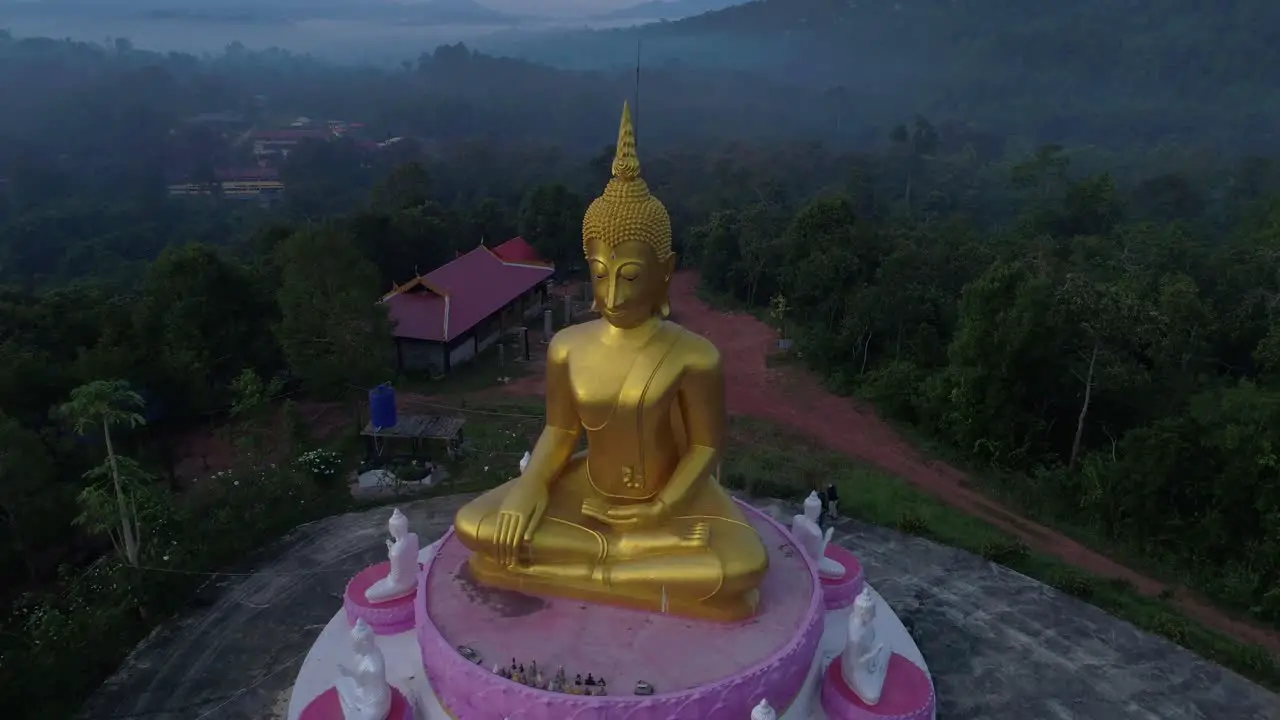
{"points": [[670, 9], [1066, 71]]}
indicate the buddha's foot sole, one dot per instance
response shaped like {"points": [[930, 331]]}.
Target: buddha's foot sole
{"points": [[654, 543], [529, 582]]}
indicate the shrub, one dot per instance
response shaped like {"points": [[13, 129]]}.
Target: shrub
{"points": [[894, 388], [913, 523], [1005, 551], [1073, 582]]}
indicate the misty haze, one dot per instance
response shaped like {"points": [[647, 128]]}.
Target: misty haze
{"points": [[382, 32], [983, 296]]}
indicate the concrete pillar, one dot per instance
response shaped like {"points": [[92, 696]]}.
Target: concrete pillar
{"points": [[524, 343], [547, 329]]}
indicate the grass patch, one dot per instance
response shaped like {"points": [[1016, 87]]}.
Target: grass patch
{"points": [[767, 461]]}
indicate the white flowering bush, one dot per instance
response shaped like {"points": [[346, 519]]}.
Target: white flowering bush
{"points": [[322, 465]]}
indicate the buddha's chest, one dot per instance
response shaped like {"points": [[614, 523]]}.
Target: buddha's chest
{"points": [[609, 386]]}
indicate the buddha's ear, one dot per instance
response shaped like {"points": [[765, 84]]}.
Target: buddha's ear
{"points": [[664, 310], [670, 265], [595, 307]]}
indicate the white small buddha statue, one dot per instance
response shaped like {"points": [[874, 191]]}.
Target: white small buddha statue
{"points": [[764, 711], [806, 531], [364, 691], [402, 551], [524, 461], [865, 662]]}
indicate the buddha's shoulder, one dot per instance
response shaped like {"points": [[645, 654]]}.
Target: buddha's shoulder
{"points": [[698, 352], [563, 342]]}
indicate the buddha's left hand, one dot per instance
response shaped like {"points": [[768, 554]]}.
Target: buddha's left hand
{"points": [[626, 516]]}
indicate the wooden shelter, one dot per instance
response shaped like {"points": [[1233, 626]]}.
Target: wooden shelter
{"points": [[415, 436]]}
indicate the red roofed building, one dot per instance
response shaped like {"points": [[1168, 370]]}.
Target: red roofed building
{"points": [[517, 250], [446, 317]]}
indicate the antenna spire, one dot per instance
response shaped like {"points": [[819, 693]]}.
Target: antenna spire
{"points": [[636, 103]]}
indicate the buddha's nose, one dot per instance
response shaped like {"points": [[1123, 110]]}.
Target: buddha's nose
{"points": [[615, 296]]}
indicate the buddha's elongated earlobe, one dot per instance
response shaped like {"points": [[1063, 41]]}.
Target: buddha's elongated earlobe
{"points": [[595, 307], [664, 310]]}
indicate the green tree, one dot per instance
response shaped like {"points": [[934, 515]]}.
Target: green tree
{"points": [[206, 319], [30, 500], [108, 404], [333, 331], [551, 220], [251, 415], [407, 186]]}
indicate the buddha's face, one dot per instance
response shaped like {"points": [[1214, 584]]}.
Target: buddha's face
{"points": [[628, 281]]}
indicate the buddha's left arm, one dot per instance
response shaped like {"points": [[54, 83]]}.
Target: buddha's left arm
{"points": [[701, 399]]}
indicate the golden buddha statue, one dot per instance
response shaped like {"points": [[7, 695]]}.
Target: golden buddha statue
{"points": [[638, 519]]}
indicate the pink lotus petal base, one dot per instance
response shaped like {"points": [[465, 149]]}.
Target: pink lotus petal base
{"points": [[388, 618], [907, 695], [328, 706], [700, 670]]}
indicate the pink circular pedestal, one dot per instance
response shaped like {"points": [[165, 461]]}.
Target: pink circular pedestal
{"points": [[842, 591], [328, 706], [701, 670], [388, 618], [907, 694]]}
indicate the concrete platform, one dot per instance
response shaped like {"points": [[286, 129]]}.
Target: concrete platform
{"points": [[406, 673], [1000, 646]]}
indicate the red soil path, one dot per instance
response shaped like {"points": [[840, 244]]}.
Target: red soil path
{"points": [[794, 399]]}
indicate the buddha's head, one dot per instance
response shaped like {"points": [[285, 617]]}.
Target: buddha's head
{"points": [[813, 506], [362, 637], [864, 608], [764, 711], [626, 235], [398, 525]]}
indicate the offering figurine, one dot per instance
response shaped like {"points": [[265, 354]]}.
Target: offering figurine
{"points": [[364, 691], [809, 535], [865, 662], [402, 552], [764, 711]]}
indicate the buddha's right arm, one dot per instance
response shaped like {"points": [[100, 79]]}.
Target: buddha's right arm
{"points": [[559, 437]]}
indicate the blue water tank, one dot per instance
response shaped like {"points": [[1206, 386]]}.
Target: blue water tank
{"points": [[382, 406]]}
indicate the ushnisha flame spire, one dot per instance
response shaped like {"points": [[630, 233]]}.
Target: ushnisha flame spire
{"points": [[626, 211], [626, 163]]}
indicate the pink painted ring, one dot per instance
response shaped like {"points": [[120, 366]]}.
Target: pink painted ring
{"points": [[328, 706], [475, 693], [389, 618], [907, 695], [842, 591]]}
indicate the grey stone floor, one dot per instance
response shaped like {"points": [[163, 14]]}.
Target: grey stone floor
{"points": [[1000, 645]]}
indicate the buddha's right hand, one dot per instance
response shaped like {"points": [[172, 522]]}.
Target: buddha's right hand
{"points": [[518, 518]]}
